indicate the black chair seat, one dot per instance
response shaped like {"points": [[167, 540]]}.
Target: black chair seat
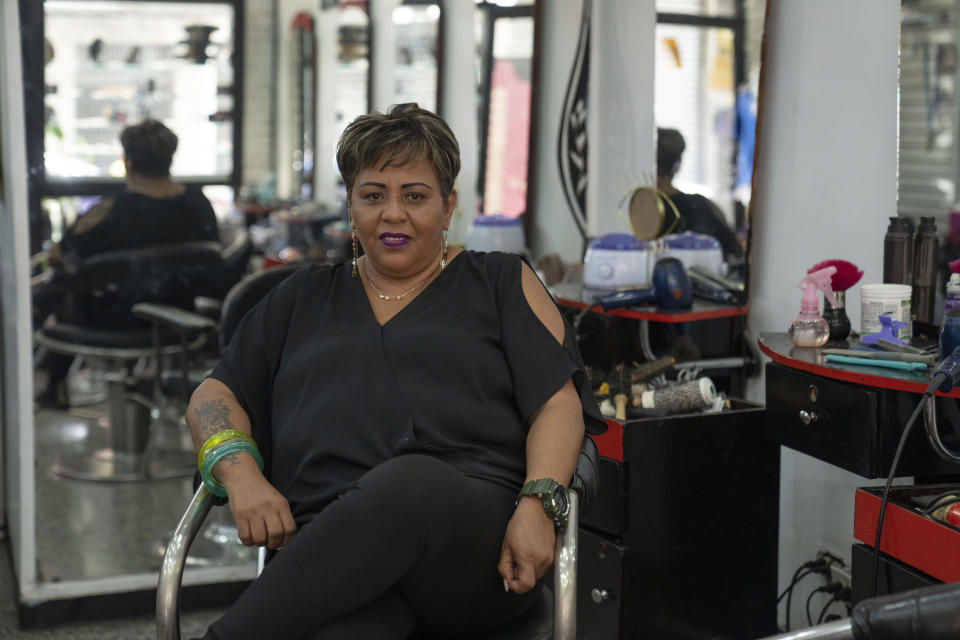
{"points": [[108, 338]]}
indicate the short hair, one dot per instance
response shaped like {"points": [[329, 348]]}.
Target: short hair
{"points": [[149, 147], [404, 134], [670, 146]]}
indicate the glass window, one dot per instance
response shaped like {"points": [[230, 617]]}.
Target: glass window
{"points": [[353, 65], [695, 94], [723, 8], [508, 117], [111, 64], [417, 31]]}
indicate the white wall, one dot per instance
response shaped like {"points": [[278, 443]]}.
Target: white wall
{"points": [[459, 103], [258, 63], [620, 119], [17, 404], [554, 229], [826, 183]]}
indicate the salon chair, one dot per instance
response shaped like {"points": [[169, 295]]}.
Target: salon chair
{"points": [[553, 617], [178, 383], [95, 320]]}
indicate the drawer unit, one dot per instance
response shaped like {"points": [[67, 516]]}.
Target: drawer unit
{"points": [[688, 509], [851, 426], [599, 587]]}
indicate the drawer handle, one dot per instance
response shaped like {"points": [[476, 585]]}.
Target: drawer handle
{"points": [[599, 595], [806, 417]]}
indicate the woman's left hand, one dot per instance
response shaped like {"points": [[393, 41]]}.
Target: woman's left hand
{"points": [[528, 546]]}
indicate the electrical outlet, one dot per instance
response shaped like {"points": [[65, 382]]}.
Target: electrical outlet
{"points": [[840, 573], [831, 558]]}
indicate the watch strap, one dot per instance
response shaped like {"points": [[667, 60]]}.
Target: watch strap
{"points": [[539, 487]]}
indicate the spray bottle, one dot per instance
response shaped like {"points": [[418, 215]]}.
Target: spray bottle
{"points": [[808, 329]]}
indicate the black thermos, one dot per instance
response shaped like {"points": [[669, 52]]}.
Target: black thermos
{"points": [[897, 251], [925, 254]]}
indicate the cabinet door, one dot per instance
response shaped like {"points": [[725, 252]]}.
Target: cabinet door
{"points": [[599, 587]]}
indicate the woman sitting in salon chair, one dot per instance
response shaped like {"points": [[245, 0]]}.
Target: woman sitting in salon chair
{"points": [[398, 405], [151, 210]]}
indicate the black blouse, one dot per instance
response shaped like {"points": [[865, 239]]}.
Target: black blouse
{"points": [[136, 220], [455, 374]]}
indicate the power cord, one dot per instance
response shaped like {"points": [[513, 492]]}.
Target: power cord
{"points": [[842, 595], [834, 588], [945, 378], [820, 565]]}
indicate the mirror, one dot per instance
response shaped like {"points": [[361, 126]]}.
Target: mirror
{"points": [[113, 470], [182, 67], [706, 81], [929, 126]]}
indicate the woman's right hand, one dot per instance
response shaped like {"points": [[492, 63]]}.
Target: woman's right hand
{"points": [[261, 513]]}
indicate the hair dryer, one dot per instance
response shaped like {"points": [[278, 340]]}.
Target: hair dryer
{"points": [[670, 289]]}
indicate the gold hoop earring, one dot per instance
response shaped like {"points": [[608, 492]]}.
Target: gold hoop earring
{"points": [[353, 235], [443, 251]]}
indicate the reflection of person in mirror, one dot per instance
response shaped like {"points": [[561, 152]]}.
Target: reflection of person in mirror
{"points": [[697, 213], [151, 210], [400, 403]]}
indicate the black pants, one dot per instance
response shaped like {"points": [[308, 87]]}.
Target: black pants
{"points": [[413, 544]]}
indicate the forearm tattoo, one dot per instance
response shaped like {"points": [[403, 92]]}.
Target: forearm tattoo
{"points": [[211, 416]]}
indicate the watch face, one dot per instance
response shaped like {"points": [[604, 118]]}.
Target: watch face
{"points": [[559, 501]]}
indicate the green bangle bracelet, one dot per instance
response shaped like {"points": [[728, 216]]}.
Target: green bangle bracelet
{"points": [[213, 457], [220, 437]]}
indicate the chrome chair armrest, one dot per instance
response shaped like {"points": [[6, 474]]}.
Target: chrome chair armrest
{"points": [[836, 630], [565, 573], [174, 561]]}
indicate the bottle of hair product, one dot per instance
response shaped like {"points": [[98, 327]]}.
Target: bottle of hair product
{"points": [[950, 325], [953, 293], [925, 253], [897, 245], [809, 329]]}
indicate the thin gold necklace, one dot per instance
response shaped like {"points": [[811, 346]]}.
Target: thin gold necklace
{"points": [[384, 296]]}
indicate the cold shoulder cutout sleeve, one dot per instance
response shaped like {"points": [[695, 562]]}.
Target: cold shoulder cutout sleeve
{"points": [[539, 363]]}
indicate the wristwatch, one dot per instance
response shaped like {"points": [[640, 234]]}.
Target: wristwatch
{"points": [[554, 497]]}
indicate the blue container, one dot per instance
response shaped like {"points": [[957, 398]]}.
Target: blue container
{"points": [[950, 332]]}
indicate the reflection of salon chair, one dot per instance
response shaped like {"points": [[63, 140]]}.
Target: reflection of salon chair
{"points": [[177, 384], [236, 258], [95, 321], [553, 616], [219, 543]]}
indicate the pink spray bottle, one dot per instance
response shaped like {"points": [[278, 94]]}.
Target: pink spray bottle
{"points": [[809, 329]]}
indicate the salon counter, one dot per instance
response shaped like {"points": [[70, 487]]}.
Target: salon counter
{"points": [[850, 416]]}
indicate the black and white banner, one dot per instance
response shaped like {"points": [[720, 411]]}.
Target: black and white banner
{"points": [[572, 139]]}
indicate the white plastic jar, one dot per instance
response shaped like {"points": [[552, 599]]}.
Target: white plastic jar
{"points": [[888, 299]]}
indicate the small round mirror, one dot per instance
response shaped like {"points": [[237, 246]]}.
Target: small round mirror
{"points": [[647, 212]]}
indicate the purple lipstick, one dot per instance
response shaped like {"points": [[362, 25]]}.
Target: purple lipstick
{"points": [[394, 239]]}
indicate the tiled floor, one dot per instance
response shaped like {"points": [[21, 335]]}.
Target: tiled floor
{"points": [[90, 530], [192, 624]]}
